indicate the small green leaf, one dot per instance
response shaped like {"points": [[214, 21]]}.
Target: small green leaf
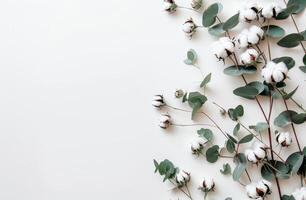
{"points": [[295, 160], [287, 197], [274, 31], [247, 92], [303, 68], [284, 118], [289, 95], [241, 162], [205, 133], [226, 169], [299, 118], [216, 30], [301, 5], [230, 146], [236, 129], [191, 57], [206, 80], [260, 127], [234, 71], [246, 139], [291, 40], [291, 9], [210, 14], [231, 22], [196, 101], [212, 154]]}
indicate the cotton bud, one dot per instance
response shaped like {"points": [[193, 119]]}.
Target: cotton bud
{"points": [[258, 190], [179, 94], [164, 121], [207, 185], [284, 139], [189, 27], [249, 57], [270, 10], [197, 145], [274, 72], [223, 48], [196, 4], [250, 36], [170, 6], [248, 12], [256, 154], [300, 194], [158, 101], [182, 178]]}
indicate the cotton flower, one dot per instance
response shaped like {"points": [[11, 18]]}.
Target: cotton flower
{"points": [[300, 194], [249, 12], [250, 36], [257, 153], [189, 27], [164, 121], [258, 190], [223, 48], [270, 10], [158, 101], [170, 6], [197, 145], [196, 4], [274, 72], [207, 185], [249, 57], [182, 178], [284, 139]]}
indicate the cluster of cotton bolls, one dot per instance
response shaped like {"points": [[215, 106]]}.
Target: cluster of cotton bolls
{"points": [[256, 153], [165, 119], [274, 72], [182, 178], [249, 37], [258, 190], [254, 11], [223, 48], [300, 194]]}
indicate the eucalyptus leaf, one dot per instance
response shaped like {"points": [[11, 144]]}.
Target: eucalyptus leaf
{"points": [[291, 40], [216, 30], [205, 133], [241, 162], [231, 22], [246, 139], [284, 118], [287, 60], [289, 95], [196, 101], [260, 127], [210, 14], [274, 31], [226, 169], [291, 9], [247, 92], [234, 71], [301, 5], [206, 80], [295, 161], [303, 68], [212, 154], [230, 146]]}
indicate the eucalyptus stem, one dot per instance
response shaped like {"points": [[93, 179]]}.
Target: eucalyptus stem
{"points": [[188, 191], [181, 189], [261, 53]]}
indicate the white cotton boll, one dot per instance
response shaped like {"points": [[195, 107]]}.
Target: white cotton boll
{"points": [[248, 12], [259, 150], [300, 194], [158, 101], [189, 27], [182, 178], [207, 185], [250, 155], [274, 72], [264, 186], [257, 30], [284, 139], [223, 47], [169, 6], [164, 121], [242, 39], [251, 191], [249, 57], [228, 44], [197, 145], [270, 10]]}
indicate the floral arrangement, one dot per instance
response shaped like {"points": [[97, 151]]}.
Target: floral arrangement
{"points": [[247, 146]]}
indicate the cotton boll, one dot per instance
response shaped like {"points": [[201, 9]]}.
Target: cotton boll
{"points": [[284, 139], [164, 121], [264, 186], [270, 10], [251, 191], [250, 155], [242, 39], [249, 57], [258, 190], [169, 6], [223, 48], [274, 72], [256, 154], [158, 101], [255, 35], [197, 145], [207, 185], [182, 178], [189, 27], [249, 12]]}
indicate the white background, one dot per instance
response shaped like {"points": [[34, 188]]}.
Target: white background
{"points": [[76, 82]]}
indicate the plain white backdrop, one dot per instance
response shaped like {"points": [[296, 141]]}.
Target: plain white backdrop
{"points": [[76, 82]]}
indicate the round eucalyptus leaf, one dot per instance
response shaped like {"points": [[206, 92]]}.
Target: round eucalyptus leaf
{"points": [[274, 31], [212, 154], [291, 40], [210, 14], [247, 92]]}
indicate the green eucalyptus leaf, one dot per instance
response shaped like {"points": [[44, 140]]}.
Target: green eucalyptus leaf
{"points": [[287, 60], [226, 169], [258, 85], [231, 22], [289, 95], [166, 169], [212, 154], [236, 129], [205, 133], [274, 31], [284, 118], [206, 80], [234, 71], [295, 161], [260, 127], [191, 57], [291, 40], [196, 101], [230, 146], [291, 9], [210, 14], [246, 139], [247, 92], [287, 197], [232, 139], [216, 30], [241, 162], [266, 172], [303, 68], [299, 118], [301, 5]]}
